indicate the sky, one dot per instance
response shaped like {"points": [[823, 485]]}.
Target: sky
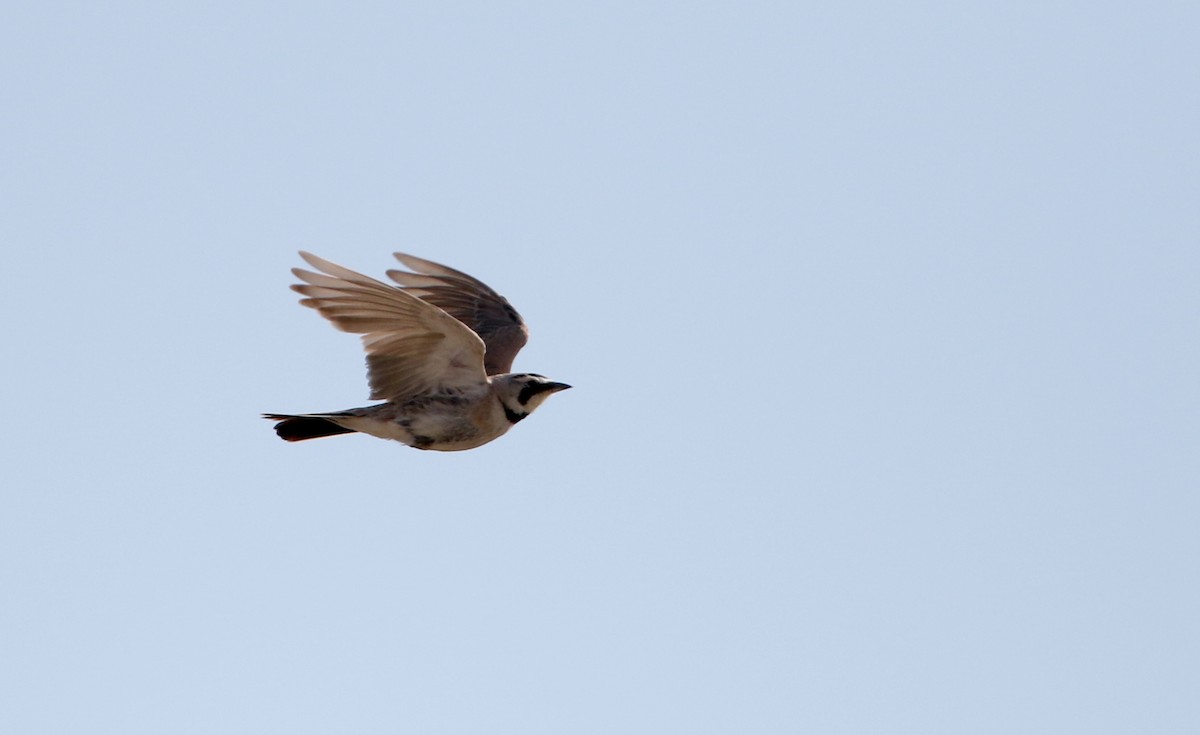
{"points": [[881, 317]]}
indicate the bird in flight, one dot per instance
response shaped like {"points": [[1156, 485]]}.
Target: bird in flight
{"points": [[439, 351]]}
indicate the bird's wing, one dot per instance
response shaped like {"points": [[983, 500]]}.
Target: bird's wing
{"points": [[412, 346], [471, 302]]}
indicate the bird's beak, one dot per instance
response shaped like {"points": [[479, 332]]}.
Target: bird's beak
{"points": [[556, 387]]}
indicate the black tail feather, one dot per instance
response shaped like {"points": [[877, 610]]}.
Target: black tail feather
{"points": [[299, 428]]}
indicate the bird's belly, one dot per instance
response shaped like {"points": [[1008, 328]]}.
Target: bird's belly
{"points": [[444, 427]]}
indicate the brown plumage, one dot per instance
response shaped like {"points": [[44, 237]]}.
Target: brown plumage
{"points": [[470, 301], [439, 347]]}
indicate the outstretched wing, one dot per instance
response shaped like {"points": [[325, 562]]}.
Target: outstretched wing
{"points": [[412, 347], [471, 302]]}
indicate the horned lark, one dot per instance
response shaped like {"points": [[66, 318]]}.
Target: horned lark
{"points": [[439, 350]]}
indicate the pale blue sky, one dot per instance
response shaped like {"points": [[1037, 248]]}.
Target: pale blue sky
{"points": [[882, 319]]}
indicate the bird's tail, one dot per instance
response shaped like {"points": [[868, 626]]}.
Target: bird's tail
{"points": [[298, 428]]}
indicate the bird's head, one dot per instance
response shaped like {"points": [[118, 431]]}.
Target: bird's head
{"points": [[521, 393]]}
